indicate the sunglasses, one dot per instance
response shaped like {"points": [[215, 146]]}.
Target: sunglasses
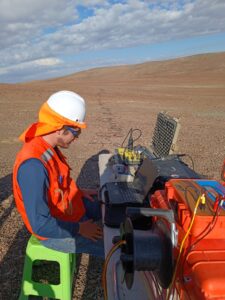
{"points": [[75, 132]]}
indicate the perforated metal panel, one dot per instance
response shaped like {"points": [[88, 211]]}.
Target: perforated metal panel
{"points": [[165, 135]]}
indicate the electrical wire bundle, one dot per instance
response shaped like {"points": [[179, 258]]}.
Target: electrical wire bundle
{"points": [[131, 139]]}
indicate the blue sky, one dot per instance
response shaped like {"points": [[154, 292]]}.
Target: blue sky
{"points": [[44, 39]]}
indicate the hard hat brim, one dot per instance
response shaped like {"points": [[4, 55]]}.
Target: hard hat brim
{"points": [[49, 121]]}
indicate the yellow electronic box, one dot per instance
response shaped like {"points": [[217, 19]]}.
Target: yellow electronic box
{"points": [[128, 156]]}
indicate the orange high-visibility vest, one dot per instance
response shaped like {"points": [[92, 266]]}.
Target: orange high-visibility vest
{"points": [[64, 197]]}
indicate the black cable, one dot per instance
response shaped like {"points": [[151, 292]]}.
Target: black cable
{"points": [[125, 148], [186, 190], [130, 143], [203, 191], [126, 137], [130, 133], [210, 226], [140, 134]]}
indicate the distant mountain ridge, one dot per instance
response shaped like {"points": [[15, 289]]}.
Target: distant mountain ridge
{"points": [[203, 67], [196, 65]]}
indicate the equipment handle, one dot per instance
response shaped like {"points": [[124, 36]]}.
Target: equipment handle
{"points": [[150, 212]]}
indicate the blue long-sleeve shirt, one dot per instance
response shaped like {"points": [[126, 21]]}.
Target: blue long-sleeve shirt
{"points": [[33, 181]]}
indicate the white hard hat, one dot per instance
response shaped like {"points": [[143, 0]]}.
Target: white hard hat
{"points": [[69, 105]]}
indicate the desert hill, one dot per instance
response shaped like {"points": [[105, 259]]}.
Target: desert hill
{"points": [[202, 65], [118, 98]]}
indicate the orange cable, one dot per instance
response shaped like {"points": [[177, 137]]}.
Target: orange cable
{"points": [[104, 281]]}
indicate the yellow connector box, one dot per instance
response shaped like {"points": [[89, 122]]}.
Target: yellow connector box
{"points": [[128, 156]]}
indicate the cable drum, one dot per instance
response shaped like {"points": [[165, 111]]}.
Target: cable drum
{"points": [[147, 249]]}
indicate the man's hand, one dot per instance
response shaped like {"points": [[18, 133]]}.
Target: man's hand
{"points": [[88, 194], [90, 230]]}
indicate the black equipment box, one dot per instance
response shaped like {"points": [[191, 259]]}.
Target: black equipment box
{"points": [[115, 213], [171, 167]]}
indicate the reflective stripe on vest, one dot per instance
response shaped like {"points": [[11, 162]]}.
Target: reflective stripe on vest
{"points": [[47, 155]]}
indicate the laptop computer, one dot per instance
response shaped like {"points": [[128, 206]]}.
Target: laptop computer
{"points": [[132, 193]]}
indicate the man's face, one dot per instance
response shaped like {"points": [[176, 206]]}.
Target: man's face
{"points": [[67, 135]]}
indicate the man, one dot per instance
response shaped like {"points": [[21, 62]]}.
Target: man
{"points": [[52, 207]]}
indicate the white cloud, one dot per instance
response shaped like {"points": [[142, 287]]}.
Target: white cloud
{"points": [[26, 20], [35, 64], [47, 62], [35, 30], [134, 23], [41, 11], [89, 3]]}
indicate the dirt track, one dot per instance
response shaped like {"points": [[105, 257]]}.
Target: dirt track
{"points": [[192, 89]]}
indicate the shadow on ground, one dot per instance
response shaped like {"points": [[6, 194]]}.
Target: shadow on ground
{"points": [[5, 187], [88, 177]]}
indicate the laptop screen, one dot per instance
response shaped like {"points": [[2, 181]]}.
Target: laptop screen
{"points": [[145, 177]]}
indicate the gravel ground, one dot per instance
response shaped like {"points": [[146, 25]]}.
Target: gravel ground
{"points": [[192, 89]]}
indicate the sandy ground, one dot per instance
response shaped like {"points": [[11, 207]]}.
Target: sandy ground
{"points": [[191, 89]]}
